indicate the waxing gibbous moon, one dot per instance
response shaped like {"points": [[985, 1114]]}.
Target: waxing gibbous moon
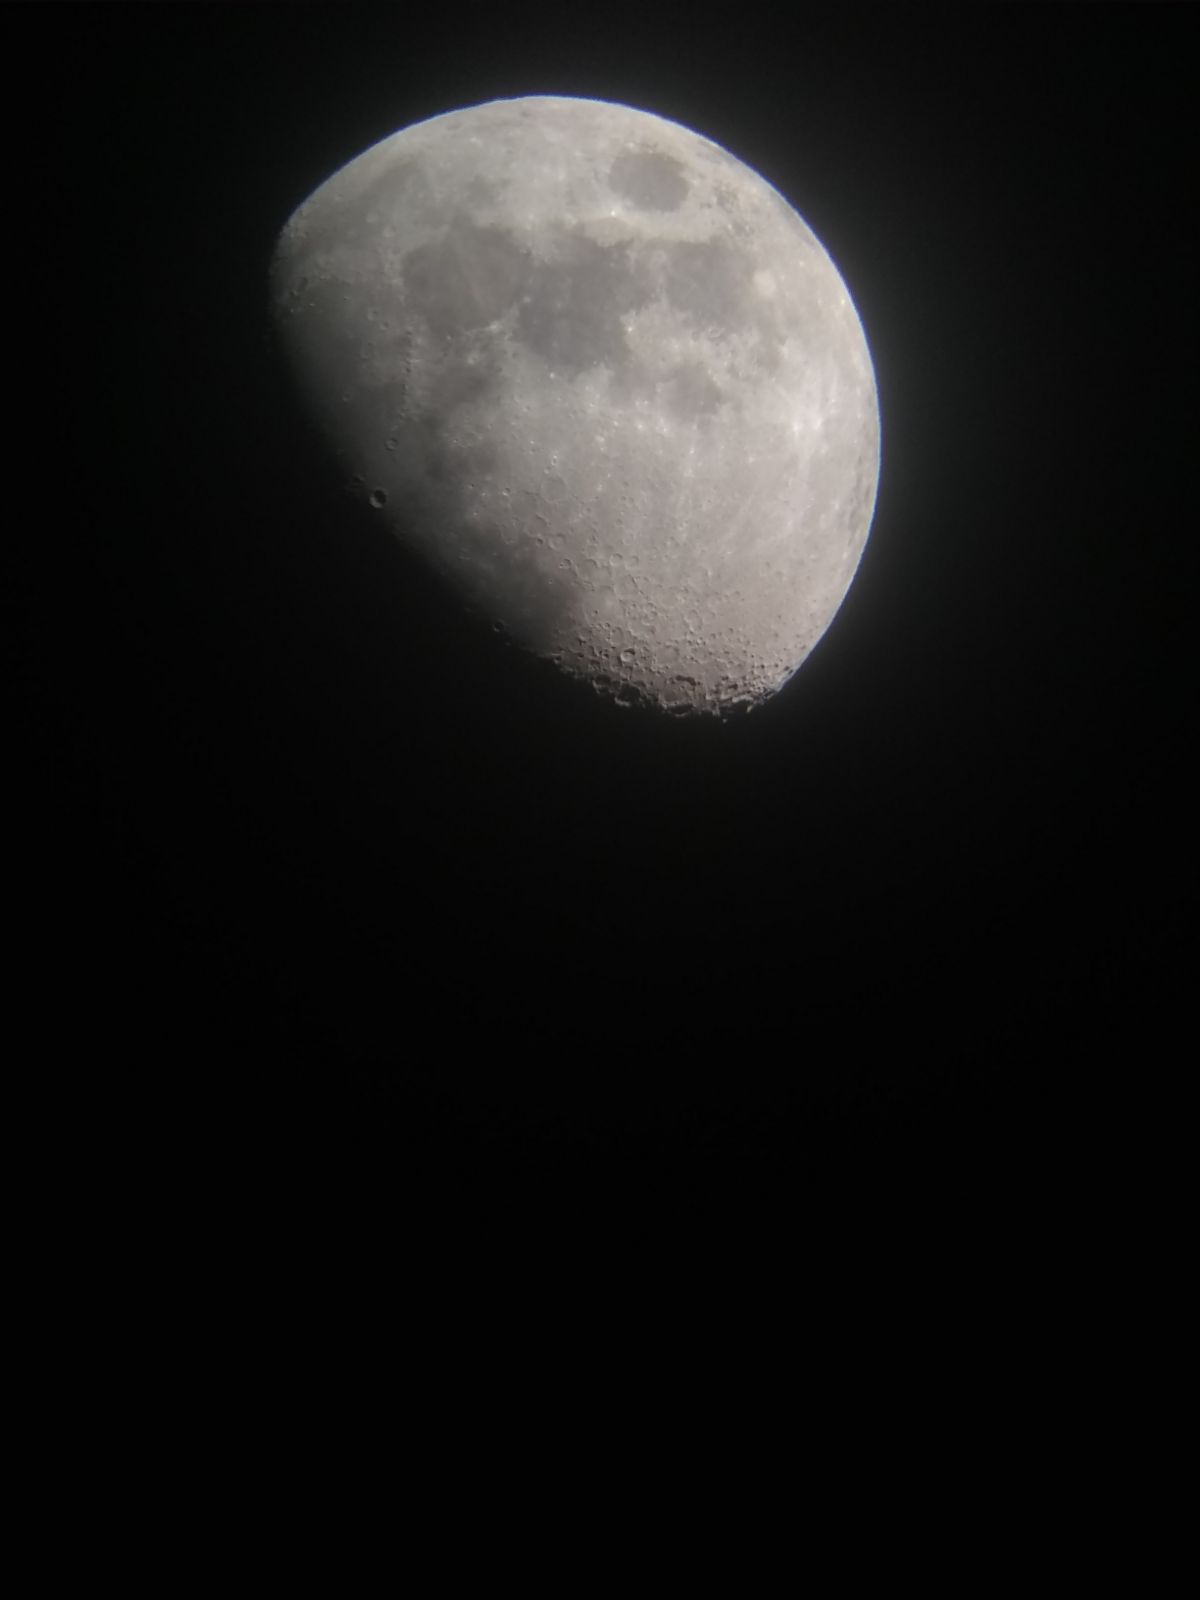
{"points": [[602, 377]]}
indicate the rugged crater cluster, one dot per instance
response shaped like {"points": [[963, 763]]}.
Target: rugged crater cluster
{"points": [[603, 377]]}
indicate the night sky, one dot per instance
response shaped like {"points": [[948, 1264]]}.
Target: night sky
{"points": [[324, 889]]}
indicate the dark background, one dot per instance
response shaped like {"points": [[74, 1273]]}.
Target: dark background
{"points": [[322, 892]]}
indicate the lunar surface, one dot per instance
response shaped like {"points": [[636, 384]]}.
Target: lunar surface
{"points": [[603, 378]]}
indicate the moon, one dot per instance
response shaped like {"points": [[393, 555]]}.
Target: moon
{"points": [[602, 377]]}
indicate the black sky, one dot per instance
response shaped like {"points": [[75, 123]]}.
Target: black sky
{"points": [[319, 872]]}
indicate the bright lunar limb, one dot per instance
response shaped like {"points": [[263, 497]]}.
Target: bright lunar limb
{"points": [[602, 377]]}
